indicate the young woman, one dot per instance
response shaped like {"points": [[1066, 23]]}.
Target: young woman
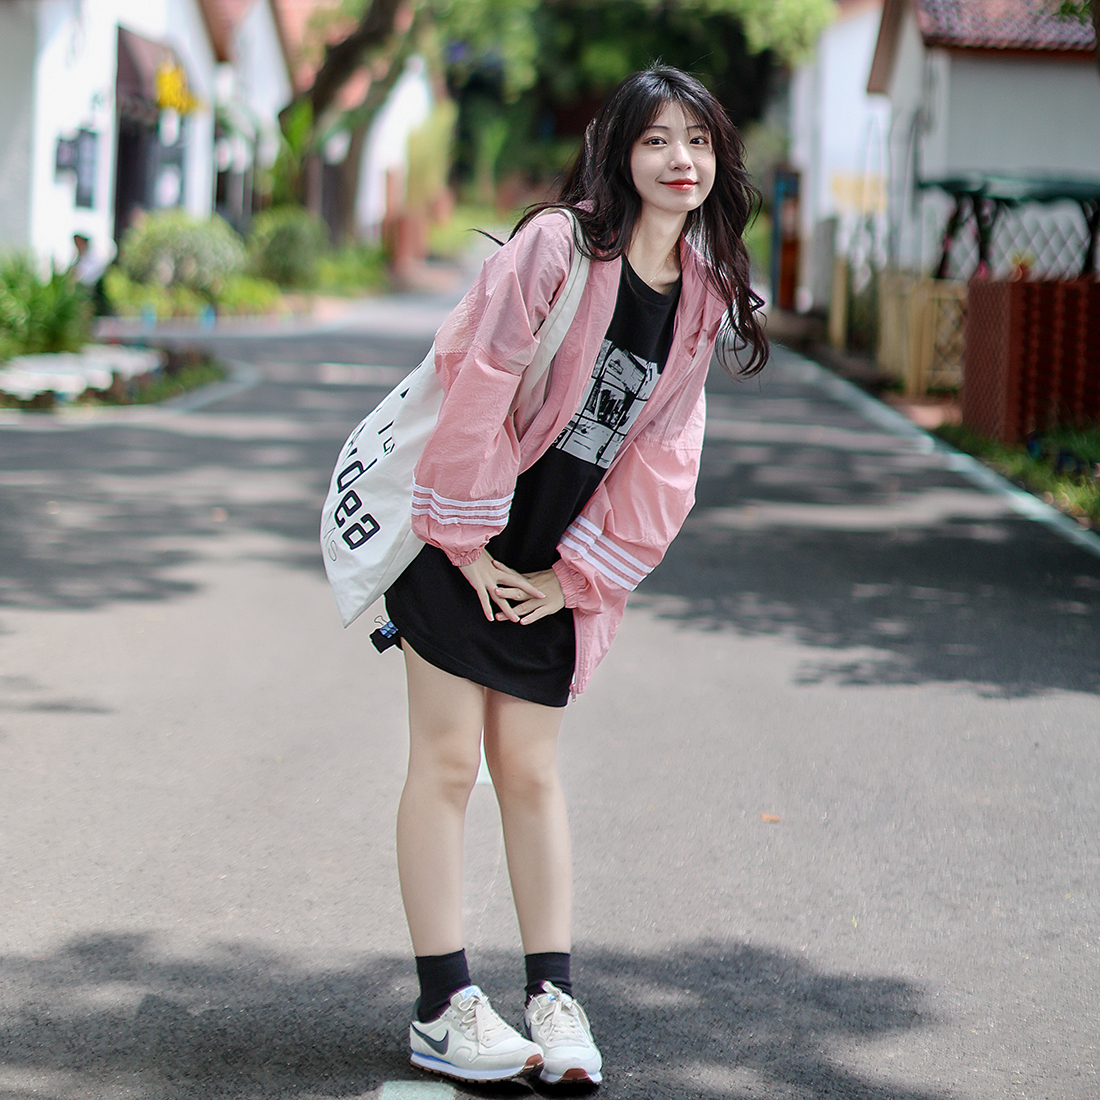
{"points": [[540, 519]]}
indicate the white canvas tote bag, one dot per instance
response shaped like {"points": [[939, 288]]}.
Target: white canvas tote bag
{"points": [[366, 523]]}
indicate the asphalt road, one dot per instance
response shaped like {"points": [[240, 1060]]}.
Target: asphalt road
{"points": [[835, 791]]}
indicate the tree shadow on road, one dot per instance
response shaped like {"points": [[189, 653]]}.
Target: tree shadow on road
{"points": [[100, 514], [810, 523], [115, 1015], [896, 569]]}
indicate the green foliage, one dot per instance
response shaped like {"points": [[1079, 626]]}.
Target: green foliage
{"points": [[130, 298], [766, 148], [505, 32], [519, 35], [40, 315], [758, 240], [239, 294], [286, 245], [249, 295], [176, 380], [863, 311], [789, 28], [490, 130], [172, 249], [430, 154], [184, 371], [451, 240], [285, 184], [1061, 465], [1075, 9], [734, 46], [352, 270]]}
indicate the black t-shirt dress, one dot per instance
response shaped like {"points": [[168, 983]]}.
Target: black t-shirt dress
{"points": [[432, 604]]}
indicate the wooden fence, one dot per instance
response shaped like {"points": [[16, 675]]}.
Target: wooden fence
{"points": [[921, 329]]}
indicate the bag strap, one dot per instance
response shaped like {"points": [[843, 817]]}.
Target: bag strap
{"points": [[553, 329]]}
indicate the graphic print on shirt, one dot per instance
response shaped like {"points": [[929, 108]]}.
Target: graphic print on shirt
{"points": [[620, 385]]}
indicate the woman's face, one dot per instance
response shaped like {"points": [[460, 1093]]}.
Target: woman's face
{"points": [[672, 162]]}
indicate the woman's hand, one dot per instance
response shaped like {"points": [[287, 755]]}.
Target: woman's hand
{"points": [[495, 583], [530, 609]]}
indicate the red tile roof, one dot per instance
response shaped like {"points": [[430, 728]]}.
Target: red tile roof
{"points": [[223, 17], [1020, 26], [1002, 25]]}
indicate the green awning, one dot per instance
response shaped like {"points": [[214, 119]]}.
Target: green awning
{"points": [[1016, 189]]}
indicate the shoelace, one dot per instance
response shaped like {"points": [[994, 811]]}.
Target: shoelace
{"points": [[479, 1016], [562, 1019]]}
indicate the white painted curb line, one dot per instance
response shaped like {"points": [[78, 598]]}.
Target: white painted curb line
{"points": [[1031, 507]]}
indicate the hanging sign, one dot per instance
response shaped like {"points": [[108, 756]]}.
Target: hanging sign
{"points": [[78, 155]]}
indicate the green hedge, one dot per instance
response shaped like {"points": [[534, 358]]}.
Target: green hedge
{"points": [[170, 248], [40, 315], [286, 245], [238, 294]]}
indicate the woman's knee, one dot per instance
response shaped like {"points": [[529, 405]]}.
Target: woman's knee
{"points": [[446, 715], [448, 765], [521, 748], [520, 776]]}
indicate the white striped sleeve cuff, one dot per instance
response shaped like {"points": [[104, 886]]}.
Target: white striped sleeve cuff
{"points": [[604, 554], [427, 502]]}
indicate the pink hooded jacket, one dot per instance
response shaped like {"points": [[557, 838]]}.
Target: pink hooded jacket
{"points": [[467, 472]]}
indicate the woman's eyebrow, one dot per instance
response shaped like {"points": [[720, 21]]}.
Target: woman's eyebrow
{"points": [[691, 126]]}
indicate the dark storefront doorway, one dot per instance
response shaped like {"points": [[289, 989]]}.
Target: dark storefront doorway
{"points": [[142, 155]]}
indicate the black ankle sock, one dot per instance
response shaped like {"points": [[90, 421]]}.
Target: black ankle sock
{"points": [[548, 966], [440, 976]]}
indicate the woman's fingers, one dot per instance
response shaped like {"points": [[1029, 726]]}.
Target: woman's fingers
{"points": [[529, 612], [505, 607], [520, 609], [516, 580], [536, 601], [486, 606], [514, 594], [540, 611], [496, 584]]}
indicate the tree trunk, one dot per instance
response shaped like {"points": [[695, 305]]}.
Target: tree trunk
{"points": [[359, 122], [349, 183], [342, 58]]}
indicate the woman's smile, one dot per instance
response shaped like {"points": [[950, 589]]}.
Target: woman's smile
{"points": [[672, 162]]}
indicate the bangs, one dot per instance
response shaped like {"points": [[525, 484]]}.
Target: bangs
{"points": [[697, 107]]}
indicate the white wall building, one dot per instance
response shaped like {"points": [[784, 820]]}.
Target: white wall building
{"points": [[1001, 87], [110, 107], [386, 151], [838, 146], [252, 89]]}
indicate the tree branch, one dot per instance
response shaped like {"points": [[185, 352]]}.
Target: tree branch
{"points": [[342, 58]]}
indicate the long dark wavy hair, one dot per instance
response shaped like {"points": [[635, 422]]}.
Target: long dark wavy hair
{"points": [[599, 189]]}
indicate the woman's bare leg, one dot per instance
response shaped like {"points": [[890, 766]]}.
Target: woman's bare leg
{"points": [[446, 716], [521, 749]]}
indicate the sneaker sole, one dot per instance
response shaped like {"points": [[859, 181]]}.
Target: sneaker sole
{"points": [[571, 1077], [456, 1073]]}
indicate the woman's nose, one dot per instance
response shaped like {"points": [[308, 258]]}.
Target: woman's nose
{"points": [[678, 154]]}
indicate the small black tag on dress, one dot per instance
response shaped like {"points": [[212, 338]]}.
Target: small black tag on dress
{"points": [[385, 636]]}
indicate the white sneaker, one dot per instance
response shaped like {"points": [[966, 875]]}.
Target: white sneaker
{"points": [[470, 1042], [560, 1027]]}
